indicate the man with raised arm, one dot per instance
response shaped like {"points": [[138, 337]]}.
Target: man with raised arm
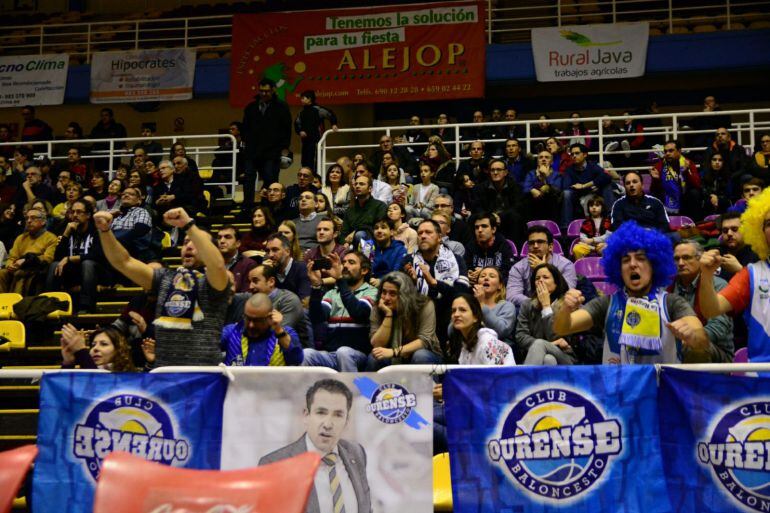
{"points": [[749, 290], [192, 300], [642, 322]]}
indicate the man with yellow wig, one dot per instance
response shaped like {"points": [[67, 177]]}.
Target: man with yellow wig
{"points": [[749, 290]]}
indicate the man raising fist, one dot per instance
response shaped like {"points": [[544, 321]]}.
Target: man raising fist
{"points": [[192, 299], [749, 290]]}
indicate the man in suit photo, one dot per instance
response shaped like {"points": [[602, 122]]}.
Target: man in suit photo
{"points": [[341, 485]]}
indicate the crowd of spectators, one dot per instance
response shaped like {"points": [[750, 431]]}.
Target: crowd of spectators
{"points": [[393, 257]]}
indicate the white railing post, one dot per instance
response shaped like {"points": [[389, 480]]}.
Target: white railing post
{"points": [[136, 35], [752, 135], [675, 127], [670, 16], [614, 12], [727, 6], [600, 133], [186, 28], [88, 45], [489, 22], [42, 33], [528, 135], [558, 13], [112, 154], [457, 147]]}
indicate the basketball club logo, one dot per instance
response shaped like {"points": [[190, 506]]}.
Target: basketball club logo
{"points": [[391, 403], [738, 453], [556, 444], [131, 423]]}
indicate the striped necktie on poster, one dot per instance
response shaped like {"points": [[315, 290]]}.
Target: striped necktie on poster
{"points": [[334, 483]]}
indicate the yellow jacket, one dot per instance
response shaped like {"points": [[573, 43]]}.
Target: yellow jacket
{"points": [[43, 245]]}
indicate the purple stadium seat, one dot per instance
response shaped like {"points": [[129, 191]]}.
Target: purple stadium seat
{"points": [[678, 222], [712, 217], [741, 356], [556, 249], [513, 247], [552, 226], [591, 268], [573, 230], [605, 287]]}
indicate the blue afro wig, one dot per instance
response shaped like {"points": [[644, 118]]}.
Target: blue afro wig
{"points": [[632, 237]]}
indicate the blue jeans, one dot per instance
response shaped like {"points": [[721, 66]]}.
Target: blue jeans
{"points": [[344, 359], [419, 357]]}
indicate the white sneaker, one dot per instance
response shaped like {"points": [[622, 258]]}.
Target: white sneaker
{"points": [[626, 148], [611, 147]]}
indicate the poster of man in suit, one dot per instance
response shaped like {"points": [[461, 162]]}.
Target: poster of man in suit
{"points": [[372, 431]]}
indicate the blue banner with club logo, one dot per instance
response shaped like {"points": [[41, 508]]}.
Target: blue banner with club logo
{"points": [[547, 439], [715, 432], [175, 419]]}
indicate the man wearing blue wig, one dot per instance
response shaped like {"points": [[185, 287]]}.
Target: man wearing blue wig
{"points": [[642, 322]]}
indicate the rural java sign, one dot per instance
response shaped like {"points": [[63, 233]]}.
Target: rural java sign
{"points": [[590, 52]]}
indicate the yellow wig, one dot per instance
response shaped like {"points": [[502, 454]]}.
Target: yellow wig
{"points": [[752, 224]]}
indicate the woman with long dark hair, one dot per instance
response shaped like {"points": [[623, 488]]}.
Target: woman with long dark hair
{"points": [[262, 225], [470, 340], [337, 190], [534, 329]]}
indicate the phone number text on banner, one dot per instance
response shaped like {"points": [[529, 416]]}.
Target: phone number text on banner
{"points": [[33, 80], [404, 53]]}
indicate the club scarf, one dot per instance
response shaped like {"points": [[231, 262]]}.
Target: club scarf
{"points": [[640, 327], [180, 306], [446, 268], [673, 184]]}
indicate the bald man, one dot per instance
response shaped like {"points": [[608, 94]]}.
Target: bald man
{"points": [[260, 338]]}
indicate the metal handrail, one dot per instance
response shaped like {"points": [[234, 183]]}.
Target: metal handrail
{"points": [[518, 20], [675, 129], [84, 38], [116, 151], [416, 369]]}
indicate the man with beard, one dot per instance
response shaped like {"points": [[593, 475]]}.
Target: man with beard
{"points": [[747, 291], [438, 273], [643, 324], [261, 339], [192, 300], [340, 317], [79, 259]]}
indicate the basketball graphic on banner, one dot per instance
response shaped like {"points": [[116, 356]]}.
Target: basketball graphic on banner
{"points": [[739, 454], [556, 443]]}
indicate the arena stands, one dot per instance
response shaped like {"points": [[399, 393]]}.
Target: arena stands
{"points": [[449, 241]]}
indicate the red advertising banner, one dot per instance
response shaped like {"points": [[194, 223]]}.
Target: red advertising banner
{"points": [[383, 54]]}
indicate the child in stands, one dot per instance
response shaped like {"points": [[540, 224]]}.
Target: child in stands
{"points": [[594, 231]]}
